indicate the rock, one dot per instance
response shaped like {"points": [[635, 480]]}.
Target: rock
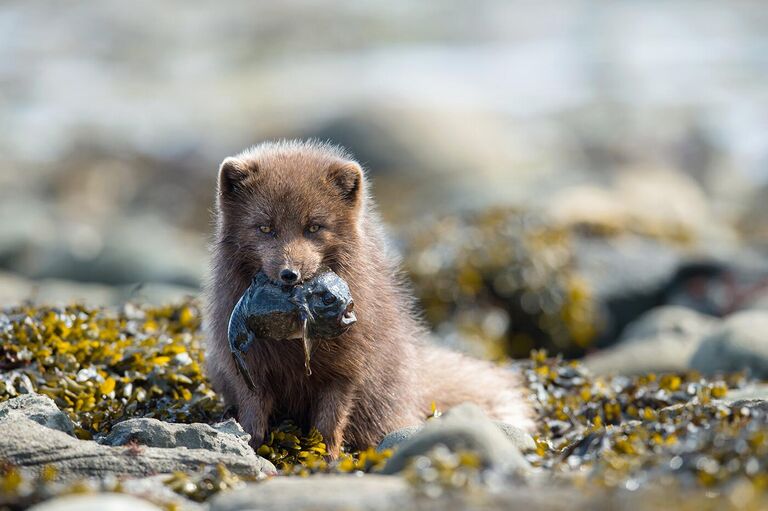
{"points": [[659, 201], [669, 320], [397, 437], [663, 339], [38, 408], [658, 354], [760, 405], [752, 391], [626, 275], [741, 342], [517, 436], [319, 493], [758, 302], [232, 427], [96, 501], [155, 433], [730, 281], [28, 444], [462, 427]]}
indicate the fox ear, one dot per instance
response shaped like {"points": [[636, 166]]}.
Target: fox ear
{"points": [[231, 173], [347, 177]]}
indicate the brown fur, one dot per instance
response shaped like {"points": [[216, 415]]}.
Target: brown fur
{"points": [[380, 375]]}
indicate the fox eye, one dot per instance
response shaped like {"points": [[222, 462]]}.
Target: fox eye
{"points": [[266, 229], [313, 228]]}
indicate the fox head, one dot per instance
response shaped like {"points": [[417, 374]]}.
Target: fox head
{"points": [[289, 208]]}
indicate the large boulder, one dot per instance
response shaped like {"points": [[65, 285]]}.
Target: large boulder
{"points": [[753, 390], [626, 276], [397, 437], [225, 438], [663, 339], [517, 436], [758, 300], [669, 320], [319, 493], [659, 201], [26, 443], [740, 343], [464, 427], [38, 408]]}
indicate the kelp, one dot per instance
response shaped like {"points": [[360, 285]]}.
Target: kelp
{"points": [[503, 281], [597, 433], [294, 452], [441, 470], [103, 366], [21, 488], [627, 432], [200, 485]]}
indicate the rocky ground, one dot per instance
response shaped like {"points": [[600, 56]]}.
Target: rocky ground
{"points": [[108, 407], [597, 198]]}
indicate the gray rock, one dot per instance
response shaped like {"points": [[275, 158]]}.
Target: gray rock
{"points": [[517, 436], [462, 427], [28, 444], [232, 427], [624, 295], [155, 433], [96, 501], [521, 439], [740, 343], [319, 493], [760, 405], [669, 320], [663, 339], [397, 437], [657, 354], [38, 408], [758, 302], [753, 391]]}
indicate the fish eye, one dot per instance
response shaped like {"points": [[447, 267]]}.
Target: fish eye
{"points": [[266, 229], [313, 228]]}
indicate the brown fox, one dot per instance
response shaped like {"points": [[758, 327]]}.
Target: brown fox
{"points": [[287, 209]]}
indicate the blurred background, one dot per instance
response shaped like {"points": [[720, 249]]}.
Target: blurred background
{"points": [[550, 171]]}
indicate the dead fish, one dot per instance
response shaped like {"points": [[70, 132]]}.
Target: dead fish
{"points": [[320, 308]]}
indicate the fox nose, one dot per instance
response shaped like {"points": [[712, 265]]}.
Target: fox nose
{"points": [[289, 276]]}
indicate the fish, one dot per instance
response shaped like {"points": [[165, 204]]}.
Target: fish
{"points": [[319, 308]]}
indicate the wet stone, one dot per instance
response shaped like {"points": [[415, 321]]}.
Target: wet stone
{"points": [[517, 436], [154, 433], [738, 344], [464, 428], [38, 408]]}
